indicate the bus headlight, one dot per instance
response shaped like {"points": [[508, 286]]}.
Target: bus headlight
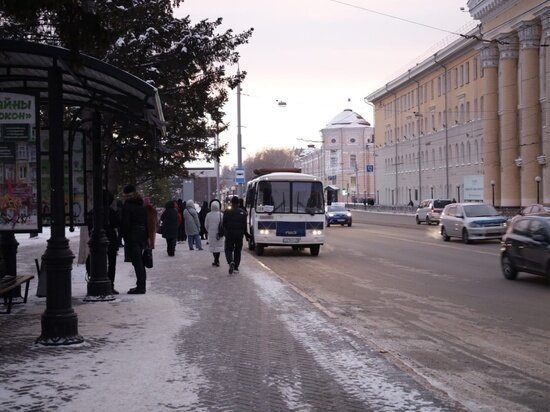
{"points": [[316, 232], [264, 232]]}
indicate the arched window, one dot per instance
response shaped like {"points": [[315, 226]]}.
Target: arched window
{"points": [[457, 156], [462, 155], [433, 158], [469, 151]]}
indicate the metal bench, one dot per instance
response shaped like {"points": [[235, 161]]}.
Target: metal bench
{"points": [[7, 284]]}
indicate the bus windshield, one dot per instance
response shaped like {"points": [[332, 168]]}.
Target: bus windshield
{"points": [[290, 197]]}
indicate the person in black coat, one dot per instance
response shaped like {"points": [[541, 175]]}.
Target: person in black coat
{"points": [[135, 234], [234, 224], [112, 229], [202, 216], [169, 226]]}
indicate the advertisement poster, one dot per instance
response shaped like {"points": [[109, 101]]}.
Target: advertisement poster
{"points": [[18, 163], [74, 181]]}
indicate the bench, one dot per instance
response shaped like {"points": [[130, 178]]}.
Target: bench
{"points": [[7, 284]]}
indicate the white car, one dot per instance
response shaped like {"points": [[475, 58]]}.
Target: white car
{"points": [[429, 210], [472, 221]]}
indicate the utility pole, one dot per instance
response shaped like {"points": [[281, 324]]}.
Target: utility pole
{"points": [[239, 137]]}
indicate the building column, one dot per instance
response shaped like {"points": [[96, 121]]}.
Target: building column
{"points": [[507, 186], [545, 190], [529, 114], [491, 164]]}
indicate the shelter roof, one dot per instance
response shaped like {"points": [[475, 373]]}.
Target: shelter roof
{"points": [[88, 83]]}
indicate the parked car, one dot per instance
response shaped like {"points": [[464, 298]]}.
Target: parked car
{"points": [[337, 213], [472, 221], [526, 247], [429, 210]]}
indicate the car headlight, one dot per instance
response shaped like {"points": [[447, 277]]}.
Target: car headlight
{"points": [[475, 224], [348, 214], [331, 215]]}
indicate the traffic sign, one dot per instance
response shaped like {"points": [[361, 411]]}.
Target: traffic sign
{"points": [[370, 168], [239, 175]]}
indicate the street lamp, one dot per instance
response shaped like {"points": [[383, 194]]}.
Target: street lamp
{"points": [[537, 179], [493, 190], [432, 190]]}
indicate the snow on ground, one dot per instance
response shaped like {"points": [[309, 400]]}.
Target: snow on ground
{"points": [[129, 348]]}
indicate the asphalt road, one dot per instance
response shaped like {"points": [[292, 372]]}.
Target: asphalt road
{"points": [[441, 309]]}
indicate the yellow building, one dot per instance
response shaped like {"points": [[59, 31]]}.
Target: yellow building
{"points": [[471, 122]]}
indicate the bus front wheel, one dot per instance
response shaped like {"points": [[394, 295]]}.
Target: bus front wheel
{"points": [[251, 245], [314, 250], [259, 249]]}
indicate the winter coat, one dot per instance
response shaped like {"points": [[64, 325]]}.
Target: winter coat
{"points": [[234, 222], [191, 219], [169, 221], [152, 224], [134, 220], [202, 216], [211, 222]]}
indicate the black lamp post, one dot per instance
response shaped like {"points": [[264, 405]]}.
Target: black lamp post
{"points": [[432, 190], [458, 193], [537, 179], [493, 191]]}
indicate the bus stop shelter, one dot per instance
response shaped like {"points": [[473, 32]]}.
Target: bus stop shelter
{"points": [[57, 78]]}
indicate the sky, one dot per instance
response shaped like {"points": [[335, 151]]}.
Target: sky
{"points": [[320, 57]]}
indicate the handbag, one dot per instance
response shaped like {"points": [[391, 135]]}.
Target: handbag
{"points": [[221, 230], [147, 258]]}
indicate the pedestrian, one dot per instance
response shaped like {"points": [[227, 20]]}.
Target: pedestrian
{"points": [[192, 225], [135, 234], [112, 229], [234, 223], [182, 236], [152, 221], [202, 216], [169, 226], [212, 223]]}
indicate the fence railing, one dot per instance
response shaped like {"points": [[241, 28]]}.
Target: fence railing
{"points": [[508, 212]]}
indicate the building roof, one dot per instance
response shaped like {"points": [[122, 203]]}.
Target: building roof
{"points": [[348, 118]]}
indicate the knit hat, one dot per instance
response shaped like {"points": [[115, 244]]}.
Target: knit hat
{"points": [[129, 189]]}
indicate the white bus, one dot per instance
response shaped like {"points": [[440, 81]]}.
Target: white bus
{"points": [[285, 209]]}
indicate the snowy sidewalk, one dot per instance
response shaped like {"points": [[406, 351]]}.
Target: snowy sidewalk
{"points": [[199, 340]]}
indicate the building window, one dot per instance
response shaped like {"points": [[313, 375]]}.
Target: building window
{"points": [[467, 73], [352, 140], [456, 77], [333, 140], [353, 161], [22, 172], [22, 151], [475, 67]]}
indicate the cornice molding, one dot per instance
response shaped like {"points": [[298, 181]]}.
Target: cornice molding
{"points": [[483, 9]]}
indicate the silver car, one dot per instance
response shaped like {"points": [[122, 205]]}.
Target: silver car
{"points": [[429, 210], [472, 221]]}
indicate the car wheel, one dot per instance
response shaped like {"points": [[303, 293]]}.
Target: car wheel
{"points": [[417, 220], [466, 237], [349, 224], [428, 221], [444, 234], [314, 250], [508, 269], [251, 245], [328, 224], [259, 250]]}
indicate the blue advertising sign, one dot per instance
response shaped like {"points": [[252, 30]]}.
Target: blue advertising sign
{"points": [[370, 168], [239, 175]]}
